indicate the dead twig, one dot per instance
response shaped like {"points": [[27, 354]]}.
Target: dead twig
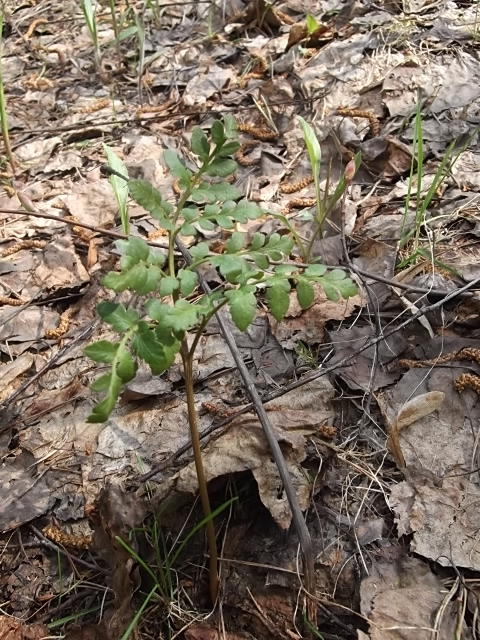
{"points": [[75, 223], [83, 335], [121, 236], [156, 118]]}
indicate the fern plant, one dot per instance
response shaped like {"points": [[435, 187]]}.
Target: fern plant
{"points": [[165, 286]]}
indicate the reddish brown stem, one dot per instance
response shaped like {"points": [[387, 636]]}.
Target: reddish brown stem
{"points": [[187, 359]]}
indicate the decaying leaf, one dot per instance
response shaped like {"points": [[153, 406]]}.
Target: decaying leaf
{"points": [[12, 629], [116, 515], [244, 447], [418, 407], [401, 598], [440, 515], [11, 374]]}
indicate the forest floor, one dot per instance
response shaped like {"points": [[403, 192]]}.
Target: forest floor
{"points": [[381, 434]]}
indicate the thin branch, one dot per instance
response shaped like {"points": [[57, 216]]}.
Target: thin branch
{"points": [[121, 236], [83, 335], [156, 118], [74, 223], [58, 549], [305, 380]]}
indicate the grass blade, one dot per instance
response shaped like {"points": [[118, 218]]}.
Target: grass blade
{"points": [[91, 22], [120, 187], [138, 615]]}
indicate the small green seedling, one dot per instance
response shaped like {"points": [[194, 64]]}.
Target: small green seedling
{"points": [[91, 22], [119, 185], [414, 189], [159, 330], [326, 202], [312, 24]]}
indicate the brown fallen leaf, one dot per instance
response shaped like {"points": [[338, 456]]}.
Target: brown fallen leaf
{"points": [[413, 410], [12, 629], [244, 447]]}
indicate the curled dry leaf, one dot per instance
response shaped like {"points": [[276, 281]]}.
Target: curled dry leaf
{"points": [[244, 447], [413, 410], [419, 407]]}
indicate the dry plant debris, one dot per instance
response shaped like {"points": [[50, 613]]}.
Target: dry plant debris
{"points": [[357, 72]]}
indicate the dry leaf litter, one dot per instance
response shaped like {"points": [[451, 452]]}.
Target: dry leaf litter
{"points": [[386, 472]]}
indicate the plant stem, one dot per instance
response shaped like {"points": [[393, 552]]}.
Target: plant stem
{"points": [[187, 359], [205, 320], [116, 30], [3, 110], [309, 250], [291, 228], [181, 203]]}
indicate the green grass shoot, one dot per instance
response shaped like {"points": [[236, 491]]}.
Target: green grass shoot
{"points": [[73, 617], [315, 155], [116, 28], [414, 189], [141, 53], [163, 571], [325, 203], [91, 22], [131, 627], [120, 187], [314, 631]]}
